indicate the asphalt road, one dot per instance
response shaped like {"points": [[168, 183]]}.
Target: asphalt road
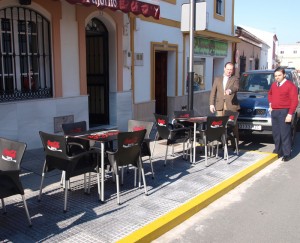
{"points": [[265, 208]]}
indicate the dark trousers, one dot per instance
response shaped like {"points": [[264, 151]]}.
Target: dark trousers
{"points": [[281, 132]]}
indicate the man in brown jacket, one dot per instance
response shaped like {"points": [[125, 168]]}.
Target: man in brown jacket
{"points": [[223, 95]]}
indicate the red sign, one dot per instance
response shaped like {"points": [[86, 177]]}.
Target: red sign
{"points": [[133, 6], [54, 146], [10, 153], [216, 124], [161, 122]]}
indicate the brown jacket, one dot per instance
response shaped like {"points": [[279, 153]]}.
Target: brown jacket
{"points": [[217, 96]]}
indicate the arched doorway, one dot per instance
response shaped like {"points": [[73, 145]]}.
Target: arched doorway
{"points": [[97, 72]]}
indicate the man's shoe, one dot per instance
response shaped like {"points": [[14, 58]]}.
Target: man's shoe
{"points": [[285, 158]]}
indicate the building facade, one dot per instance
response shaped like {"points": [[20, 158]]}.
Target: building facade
{"points": [[289, 55], [271, 40], [103, 61], [251, 53]]}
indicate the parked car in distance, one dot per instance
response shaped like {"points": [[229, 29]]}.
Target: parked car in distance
{"points": [[253, 98]]}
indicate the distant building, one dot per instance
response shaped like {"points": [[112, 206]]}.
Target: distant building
{"points": [[251, 53], [289, 55], [271, 40]]}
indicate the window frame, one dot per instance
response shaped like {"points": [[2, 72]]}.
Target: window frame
{"points": [[219, 15]]}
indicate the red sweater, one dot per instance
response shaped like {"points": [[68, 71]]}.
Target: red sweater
{"points": [[284, 96]]}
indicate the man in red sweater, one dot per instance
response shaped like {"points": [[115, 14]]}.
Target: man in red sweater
{"points": [[283, 100]]}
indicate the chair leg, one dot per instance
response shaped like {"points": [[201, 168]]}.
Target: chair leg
{"points": [[89, 184], [42, 181], [166, 155], [225, 149], [62, 178], [98, 179], [135, 172], [122, 175], [155, 139], [41, 186], [184, 156], [26, 210], [66, 195], [152, 170], [118, 188], [217, 150], [84, 182], [205, 143], [144, 178], [206, 155], [3, 206], [236, 146], [139, 170]]}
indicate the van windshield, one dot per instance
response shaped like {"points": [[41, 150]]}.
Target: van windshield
{"points": [[256, 82]]}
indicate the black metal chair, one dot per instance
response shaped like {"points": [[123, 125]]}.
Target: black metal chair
{"points": [[127, 153], [136, 125], [173, 133], [76, 145], [58, 157], [75, 128], [232, 130], [215, 131], [10, 161], [184, 115]]}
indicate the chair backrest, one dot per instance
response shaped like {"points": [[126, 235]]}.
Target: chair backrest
{"points": [[162, 126], [233, 116], [136, 125], [215, 127], [184, 114], [129, 147], [54, 145], [11, 153], [75, 127]]}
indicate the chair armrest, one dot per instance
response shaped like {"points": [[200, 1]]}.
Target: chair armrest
{"points": [[75, 144], [111, 152], [78, 156], [180, 129]]}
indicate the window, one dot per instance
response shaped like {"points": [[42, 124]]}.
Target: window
{"points": [[281, 52], [25, 55], [295, 52], [219, 10], [199, 75]]}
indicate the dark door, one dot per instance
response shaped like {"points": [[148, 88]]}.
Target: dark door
{"points": [[97, 72], [161, 105]]}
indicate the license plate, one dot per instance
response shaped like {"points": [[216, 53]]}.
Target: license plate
{"points": [[249, 127]]}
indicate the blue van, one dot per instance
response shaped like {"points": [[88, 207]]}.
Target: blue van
{"points": [[253, 98]]}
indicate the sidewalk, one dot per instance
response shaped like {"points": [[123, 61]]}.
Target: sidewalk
{"points": [[178, 191]]}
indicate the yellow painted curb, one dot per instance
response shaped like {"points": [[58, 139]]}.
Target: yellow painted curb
{"points": [[168, 221]]}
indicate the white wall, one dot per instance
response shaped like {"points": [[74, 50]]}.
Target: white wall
{"points": [[143, 38], [69, 51], [24, 119]]}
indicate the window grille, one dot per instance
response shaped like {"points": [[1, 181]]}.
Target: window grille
{"points": [[25, 55]]}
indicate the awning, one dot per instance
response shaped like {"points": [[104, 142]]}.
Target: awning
{"points": [[133, 6]]}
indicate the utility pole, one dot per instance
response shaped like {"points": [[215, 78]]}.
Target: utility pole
{"points": [[190, 105]]}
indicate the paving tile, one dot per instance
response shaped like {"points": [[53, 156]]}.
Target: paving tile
{"points": [[89, 220]]}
